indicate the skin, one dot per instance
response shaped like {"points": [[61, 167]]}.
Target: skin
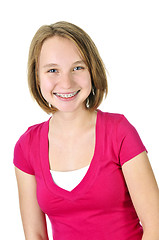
{"points": [[59, 73], [62, 70], [144, 193]]}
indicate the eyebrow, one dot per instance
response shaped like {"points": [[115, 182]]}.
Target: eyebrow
{"points": [[50, 65], [55, 65], [79, 62]]}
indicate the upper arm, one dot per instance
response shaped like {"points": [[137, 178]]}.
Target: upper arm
{"points": [[34, 222], [143, 190]]}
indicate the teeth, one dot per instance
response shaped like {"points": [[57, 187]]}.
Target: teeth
{"points": [[66, 95]]}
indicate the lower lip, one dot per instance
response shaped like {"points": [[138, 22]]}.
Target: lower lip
{"points": [[67, 99]]}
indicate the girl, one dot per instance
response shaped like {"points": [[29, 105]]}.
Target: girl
{"points": [[86, 169]]}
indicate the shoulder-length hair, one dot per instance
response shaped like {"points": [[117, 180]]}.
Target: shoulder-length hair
{"points": [[90, 55]]}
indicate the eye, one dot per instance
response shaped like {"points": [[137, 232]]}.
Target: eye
{"points": [[78, 68], [52, 71]]}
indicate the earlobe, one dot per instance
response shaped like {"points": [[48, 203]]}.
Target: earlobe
{"points": [[50, 106], [93, 91], [87, 102]]}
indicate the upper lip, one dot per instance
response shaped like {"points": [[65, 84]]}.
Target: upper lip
{"points": [[66, 92]]}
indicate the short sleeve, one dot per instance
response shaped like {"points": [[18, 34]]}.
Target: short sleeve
{"points": [[129, 141], [21, 157]]}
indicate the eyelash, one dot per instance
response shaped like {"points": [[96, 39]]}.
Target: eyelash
{"points": [[75, 69], [52, 71], [78, 69]]}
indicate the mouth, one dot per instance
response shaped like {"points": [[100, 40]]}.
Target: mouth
{"points": [[67, 95]]}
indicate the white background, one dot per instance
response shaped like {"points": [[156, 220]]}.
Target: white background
{"points": [[126, 34]]}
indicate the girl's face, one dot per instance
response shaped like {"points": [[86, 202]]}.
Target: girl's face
{"points": [[64, 78]]}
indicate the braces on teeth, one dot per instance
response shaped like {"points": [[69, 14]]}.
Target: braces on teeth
{"points": [[66, 95]]}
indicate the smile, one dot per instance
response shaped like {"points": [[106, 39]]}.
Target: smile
{"points": [[67, 95]]}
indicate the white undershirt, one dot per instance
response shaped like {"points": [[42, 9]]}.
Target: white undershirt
{"points": [[70, 179]]}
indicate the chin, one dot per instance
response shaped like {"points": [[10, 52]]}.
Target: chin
{"points": [[70, 109]]}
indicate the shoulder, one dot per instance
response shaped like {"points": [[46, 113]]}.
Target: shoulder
{"points": [[112, 118], [25, 149], [116, 124], [123, 135], [31, 134]]}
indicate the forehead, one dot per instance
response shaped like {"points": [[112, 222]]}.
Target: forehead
{"points": [[59, 49]]}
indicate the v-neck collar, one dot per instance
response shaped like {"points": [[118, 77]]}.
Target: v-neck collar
{"points": [[89, 177]]}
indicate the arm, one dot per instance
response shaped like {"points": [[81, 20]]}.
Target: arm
{"points": [[33, 219], [144, 193]]}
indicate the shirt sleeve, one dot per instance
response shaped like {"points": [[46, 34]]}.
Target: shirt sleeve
{"points": [[21, 156], [129, 141]]}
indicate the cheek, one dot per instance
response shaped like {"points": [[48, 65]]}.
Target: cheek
{"points": [[46, 89], [45, 84], [87, 83]]}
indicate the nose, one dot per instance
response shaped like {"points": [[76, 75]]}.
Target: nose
{"points": [[66, 81]]}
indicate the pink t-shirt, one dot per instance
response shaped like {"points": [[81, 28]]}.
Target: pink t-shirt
{"points": [[99, 207]]}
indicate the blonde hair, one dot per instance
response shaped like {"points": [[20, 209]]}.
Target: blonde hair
{"points": [[87, 49]]}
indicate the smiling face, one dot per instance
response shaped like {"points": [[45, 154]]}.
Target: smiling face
{"points": [[64, 78]]}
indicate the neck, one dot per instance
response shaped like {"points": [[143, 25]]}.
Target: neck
{"points": [[72, 122]]}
